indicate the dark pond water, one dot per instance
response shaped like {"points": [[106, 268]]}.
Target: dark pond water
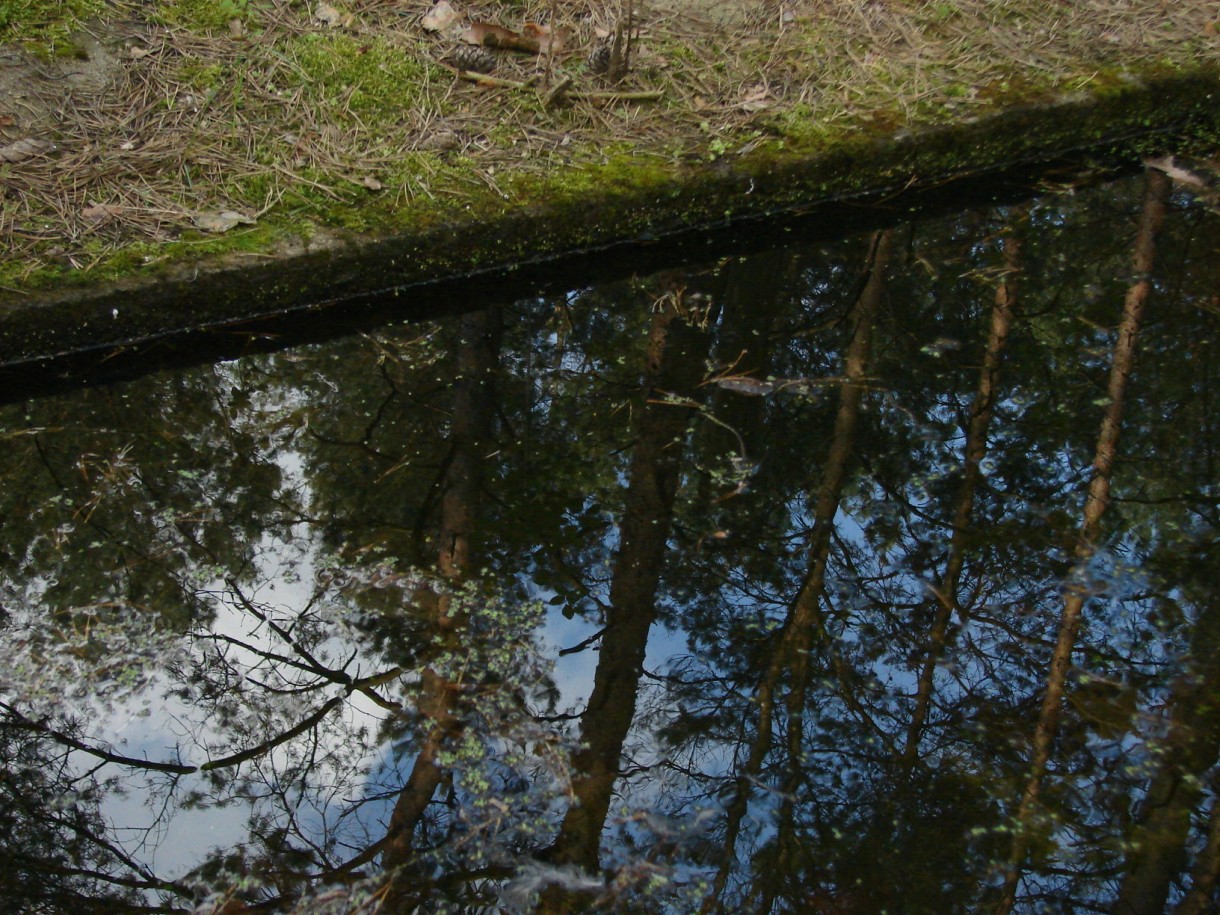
{"points": [[875, 576]]}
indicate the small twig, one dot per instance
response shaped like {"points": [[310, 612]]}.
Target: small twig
{"points": [[486, 80], [490, 182], [295, 177], [625, 63], [561, 88], [550, 50], [650, 95], [556, 93]]}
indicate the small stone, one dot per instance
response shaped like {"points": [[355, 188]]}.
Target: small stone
{"points": [[440, 140]]}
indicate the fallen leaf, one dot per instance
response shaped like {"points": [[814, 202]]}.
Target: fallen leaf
{"points": [[1211, 29], [327, 15], [25, 149], [491, 35], [1176, 172], [440, 140], [756, 98], [440, 17], [367, 181], [100, 213], [219, 223], [751, 387], [550, 41], [755, 387], [7, 120]]}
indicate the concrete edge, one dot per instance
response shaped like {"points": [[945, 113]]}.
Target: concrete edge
{"points": [[1122, 124]]}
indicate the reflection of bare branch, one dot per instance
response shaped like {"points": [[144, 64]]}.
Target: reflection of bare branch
{"points": [[583, 644], [314, 664], [274, 742], [268, 655], [39, 727], [363, 685], [76, 826]]}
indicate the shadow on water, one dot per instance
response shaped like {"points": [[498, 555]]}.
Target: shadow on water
{"points": [[310, 322], [856, 575]]}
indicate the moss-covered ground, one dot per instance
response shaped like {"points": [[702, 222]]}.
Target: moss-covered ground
{"points": [[128, 127]]}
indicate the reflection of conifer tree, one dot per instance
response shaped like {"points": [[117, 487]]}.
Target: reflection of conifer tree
{"points": [[886, 799], [470, 431], [1158, 844], [805, 624], [754, 295], [58, 856], [80, 473], [1206, 873], [673, 368], [1122, 364], [975, 450]]}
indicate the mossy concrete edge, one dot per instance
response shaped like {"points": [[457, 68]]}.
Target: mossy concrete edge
{"points": [[1128, 121]]}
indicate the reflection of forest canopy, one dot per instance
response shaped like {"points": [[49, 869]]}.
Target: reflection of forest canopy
{"points": [[861, 484]]}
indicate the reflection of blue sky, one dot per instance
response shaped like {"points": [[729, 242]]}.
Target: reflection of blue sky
{"points": [[151, 715], [891, 539]]}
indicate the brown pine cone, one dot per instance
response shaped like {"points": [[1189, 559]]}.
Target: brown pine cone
{"points": [[599, 57], [474, 58]]}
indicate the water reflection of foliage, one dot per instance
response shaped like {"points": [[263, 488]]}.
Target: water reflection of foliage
{"points": [[894, 761], [280, 712]]}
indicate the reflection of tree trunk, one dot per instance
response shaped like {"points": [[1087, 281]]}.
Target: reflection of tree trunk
{"points": [[1206, 871], [805, 620], [470, 429], [1095, 505], [972, 476], [1158, 842], [755, 292], [674, 366]]}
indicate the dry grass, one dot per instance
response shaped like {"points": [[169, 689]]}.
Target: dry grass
{"points": [[294, 122]]}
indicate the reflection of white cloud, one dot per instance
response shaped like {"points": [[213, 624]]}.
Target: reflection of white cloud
{"points": [[193, 697], [573, 673]]}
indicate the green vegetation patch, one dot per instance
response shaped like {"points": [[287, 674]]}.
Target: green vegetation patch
{"points": [[45, 22], [205, 14], [351, 77], [295, 115]]}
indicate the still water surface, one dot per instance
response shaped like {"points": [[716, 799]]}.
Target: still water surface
{"points": [[875, 576]]}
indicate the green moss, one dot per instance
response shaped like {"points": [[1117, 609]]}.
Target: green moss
{"points": [[46, 24], [629, 193], [368, 87], [801, 127], [204, 15], [373, 78], [203, 76]]}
